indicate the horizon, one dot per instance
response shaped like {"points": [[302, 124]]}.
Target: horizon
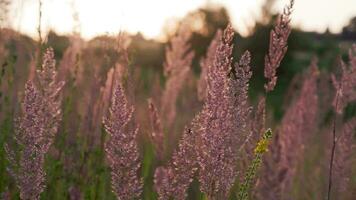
{"points": [[65, 17]]}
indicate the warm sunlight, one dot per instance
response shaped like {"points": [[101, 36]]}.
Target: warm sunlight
{"points": [[148, 17], [177, 99]]}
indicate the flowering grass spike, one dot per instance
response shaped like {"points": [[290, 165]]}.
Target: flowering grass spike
{"points": [[121, 147]]}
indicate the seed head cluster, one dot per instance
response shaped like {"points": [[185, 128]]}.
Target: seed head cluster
{"points": [[121, 147], [36, 129], [222, 122]]}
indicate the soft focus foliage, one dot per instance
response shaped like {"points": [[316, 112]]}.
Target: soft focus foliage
{"points": [[185, 118], [287, 148], [176, 68], [345, 88]]}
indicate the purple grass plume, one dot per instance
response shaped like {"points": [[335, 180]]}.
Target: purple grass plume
{"points": [[173, 180], [157, 134], [345, 147], [179, 59], [287, 148], [345, 93], [257, 124], [344, 87], [121, 147], [35, 129], [30, 133], [223, 121], [51, 89], [277, 47], [205, 63], [256, 128]]}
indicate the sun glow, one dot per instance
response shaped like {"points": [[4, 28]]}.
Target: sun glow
{"points": [[96, 17]]}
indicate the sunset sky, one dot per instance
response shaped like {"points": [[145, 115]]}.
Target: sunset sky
{"points": [[149, 16]]}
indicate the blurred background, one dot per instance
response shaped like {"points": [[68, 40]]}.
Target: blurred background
{"points": [[84, 34], [321, 28], [153, 19]]}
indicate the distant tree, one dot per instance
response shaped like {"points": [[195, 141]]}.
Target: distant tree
{"points": [[266, 10], [212, 20], [204, 21], [349, 31], [58, 43], [351, 27]]}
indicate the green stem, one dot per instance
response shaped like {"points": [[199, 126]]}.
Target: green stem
{"points": [[261, 148]]}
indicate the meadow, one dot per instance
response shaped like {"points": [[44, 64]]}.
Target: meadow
{"points": [[208, 115]]}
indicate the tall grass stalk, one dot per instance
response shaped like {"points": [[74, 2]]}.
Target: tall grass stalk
{"points": [[261, 148]]}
